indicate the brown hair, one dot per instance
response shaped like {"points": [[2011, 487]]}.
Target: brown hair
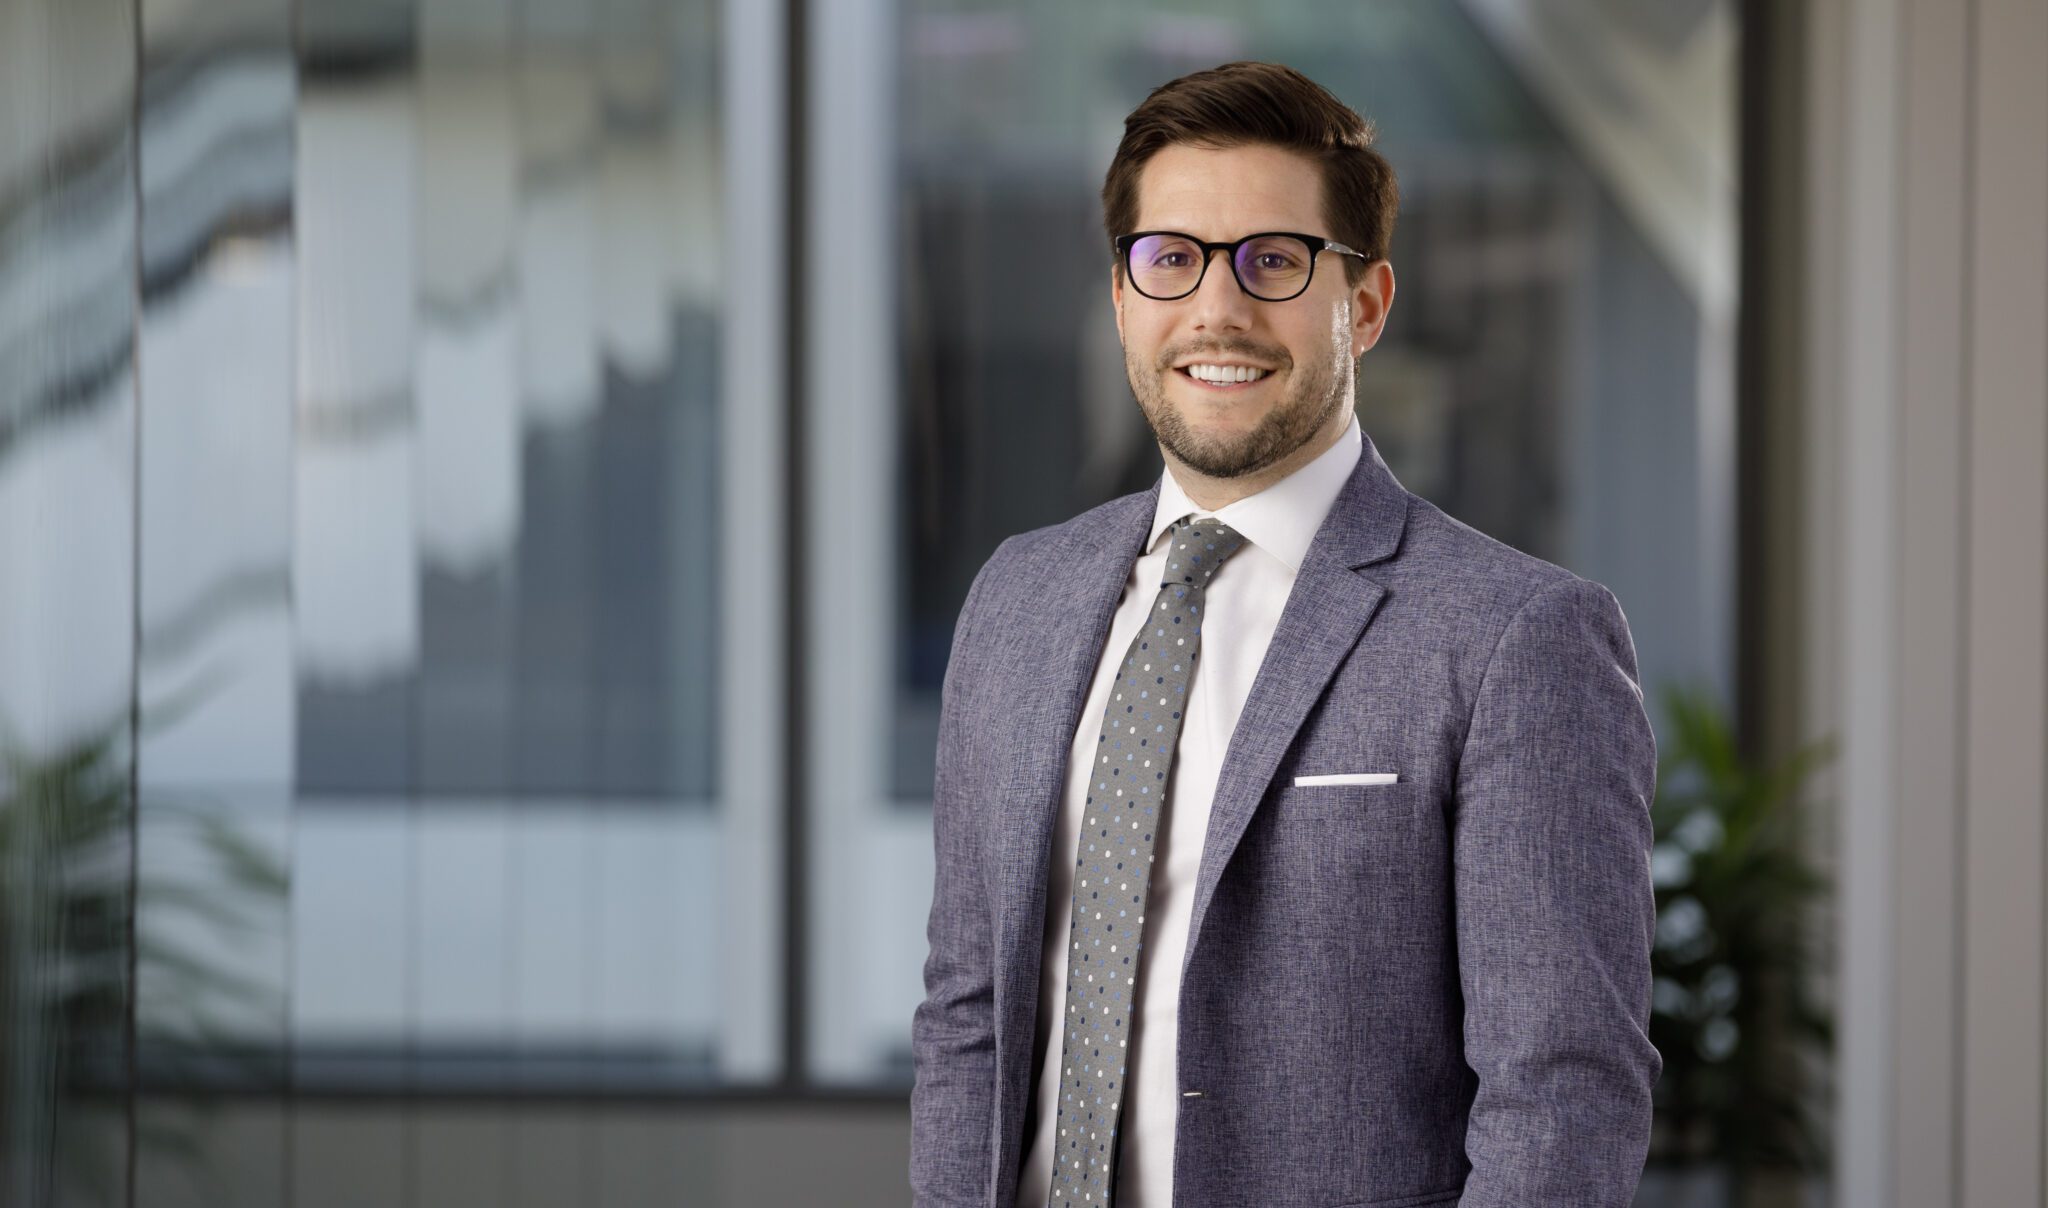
{"points": [[1241, 103]]}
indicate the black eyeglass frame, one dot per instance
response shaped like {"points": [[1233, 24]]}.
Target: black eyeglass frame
{"points": [[1316, 245]]}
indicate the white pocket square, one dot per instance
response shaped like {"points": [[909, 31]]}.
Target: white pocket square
{"points": [[1349, 778]]}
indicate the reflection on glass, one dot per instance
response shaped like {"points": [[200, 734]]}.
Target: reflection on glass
{"points": [[380, 561], [504, 561], [214, 660], [1554, 372], [67, 524]]}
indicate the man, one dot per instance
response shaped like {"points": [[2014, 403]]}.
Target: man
{"points": [[1382, 936]]}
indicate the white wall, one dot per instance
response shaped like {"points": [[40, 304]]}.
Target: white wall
{"points": [[1924, 495]]}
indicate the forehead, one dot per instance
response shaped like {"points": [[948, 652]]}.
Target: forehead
{"points": [[1224, 193]]}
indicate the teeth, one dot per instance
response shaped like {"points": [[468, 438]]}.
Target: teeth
{"points": [[1225, 374]]}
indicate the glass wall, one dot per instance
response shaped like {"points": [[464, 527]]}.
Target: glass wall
{"points": [[215, 762], [68, 517], [390, 673], [1556, 370], [505, 552]]}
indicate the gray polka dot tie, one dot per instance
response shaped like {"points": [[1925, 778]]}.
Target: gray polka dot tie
{"points": [[1126, 796]]}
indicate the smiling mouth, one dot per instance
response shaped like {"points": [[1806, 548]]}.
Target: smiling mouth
{"points": [[1223, 377]]}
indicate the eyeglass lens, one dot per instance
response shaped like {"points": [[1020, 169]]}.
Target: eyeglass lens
{"points": [[1272, 267]]}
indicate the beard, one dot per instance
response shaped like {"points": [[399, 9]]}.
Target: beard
{"points": [[1312, 398]]}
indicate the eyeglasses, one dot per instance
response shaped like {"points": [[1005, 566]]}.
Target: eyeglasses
{"points": [[1271, 266]]}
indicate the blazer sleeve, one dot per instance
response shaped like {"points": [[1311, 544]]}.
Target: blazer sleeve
{"points": [[1555, 910], [952, 1032]]}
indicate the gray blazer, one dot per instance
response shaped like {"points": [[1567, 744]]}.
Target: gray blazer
{"points": [[1430, 992]]}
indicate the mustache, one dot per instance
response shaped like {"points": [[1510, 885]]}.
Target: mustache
{"points": [[1243, 348]]}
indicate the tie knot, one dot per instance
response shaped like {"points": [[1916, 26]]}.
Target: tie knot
{"points": [[1197, 548]]}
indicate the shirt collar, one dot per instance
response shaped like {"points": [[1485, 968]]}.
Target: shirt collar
{"points": [[1283, 518]]}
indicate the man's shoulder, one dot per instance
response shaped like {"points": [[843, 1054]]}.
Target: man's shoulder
{"points": [[1474, 576], [1027, 556]]}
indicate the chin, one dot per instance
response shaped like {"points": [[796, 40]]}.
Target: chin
{"points": [[1223, 410]]}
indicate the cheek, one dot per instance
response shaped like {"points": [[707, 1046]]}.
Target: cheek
{"points": [[1339, 334], [1142, 339]]}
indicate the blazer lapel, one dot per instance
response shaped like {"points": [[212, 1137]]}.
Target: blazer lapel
{"points": [[1328, 608]]}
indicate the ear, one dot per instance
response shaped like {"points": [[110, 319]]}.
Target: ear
{"points": [[1370, 302], [1116, 300]]}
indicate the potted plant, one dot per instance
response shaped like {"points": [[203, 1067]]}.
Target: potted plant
{"points": [[1730, 964]]}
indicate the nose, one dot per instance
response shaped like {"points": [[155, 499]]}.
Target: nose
{"points": [[1220, 303]]}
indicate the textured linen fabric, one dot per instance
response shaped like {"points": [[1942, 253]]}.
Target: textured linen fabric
{"points": [[1429, 992], [1244, 602]]}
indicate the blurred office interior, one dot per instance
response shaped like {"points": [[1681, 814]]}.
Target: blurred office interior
{"points": [[436, 774]]}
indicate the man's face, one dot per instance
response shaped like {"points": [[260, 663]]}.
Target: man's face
{"points": [[1307, 345]]}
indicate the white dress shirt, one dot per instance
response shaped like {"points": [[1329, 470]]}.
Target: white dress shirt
{"points": [[1244, 599]]}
